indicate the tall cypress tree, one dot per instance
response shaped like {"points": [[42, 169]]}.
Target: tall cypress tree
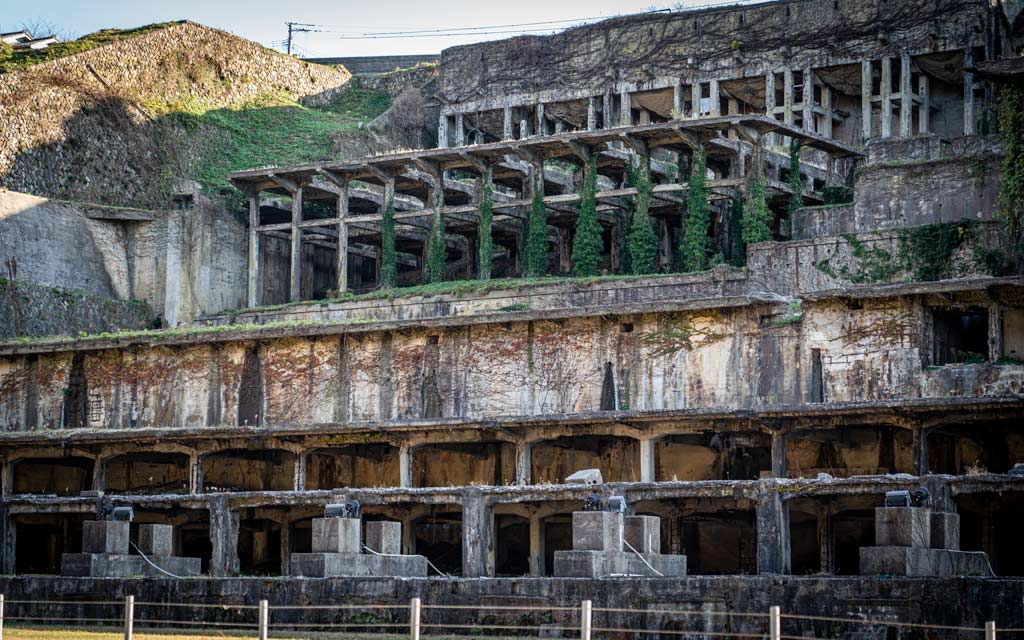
{"points": [[537, 233], [486, 241], [693, 250], [388, 258], [641, 239], [757, 217], [587, 242]]}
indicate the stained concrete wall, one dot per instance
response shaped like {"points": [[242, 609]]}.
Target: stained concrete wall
{"points": [[28, 310], [755, 356]]}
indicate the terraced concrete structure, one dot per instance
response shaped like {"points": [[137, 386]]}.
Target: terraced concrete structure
{"points": [[761, 411]]}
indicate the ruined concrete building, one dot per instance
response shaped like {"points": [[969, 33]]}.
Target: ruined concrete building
{"points": [[760, 404]]}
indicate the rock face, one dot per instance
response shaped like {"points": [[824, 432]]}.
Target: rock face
{"points": [[60, 117]]}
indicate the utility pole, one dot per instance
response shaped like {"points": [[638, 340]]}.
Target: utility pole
{"points": [[297, 27], [290, 24]]}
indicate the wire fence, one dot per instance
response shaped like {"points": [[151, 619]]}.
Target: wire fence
{"points": [[414, 620]]}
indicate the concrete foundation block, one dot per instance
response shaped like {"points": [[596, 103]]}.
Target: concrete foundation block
{"points": [[597, 531], [643, 533], [330, 565], [604, 564], [917, 563], [903, 527], [337, 535], [105, 536], [946, 531], [101, 565], [384, 537], [156, 539], [178, 566]]}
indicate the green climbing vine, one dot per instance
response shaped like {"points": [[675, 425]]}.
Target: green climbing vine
{"points": [[388, 258], [537, 234], [693, 250], [486, 248], [587, 242], [1011, 190], [757, 216], [438, 250], [641, 239]]}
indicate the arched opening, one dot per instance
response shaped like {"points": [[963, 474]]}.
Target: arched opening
{"points": [[248, 470], [461, 464], [147, 473], [712, 456], [43, 538], [617, 457], [438, 536], [984, 447], [357, 465], [512, 545], [850, 451], [827, 533], [68, 476], [259, 547], [556, 532]]}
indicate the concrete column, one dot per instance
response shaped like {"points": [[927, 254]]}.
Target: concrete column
{"points": [[6, 478], [523, 463], [695, 91], [808, 99], [542, 123], [405, 466], [773, 552], [968, 92], [296, 256], [625, 108], [825, 555], [524, 128], [787, 96], [886, 94], [906, 98], [195, 475], [223, 538], [865, 98], [826, 106], [920, 445], [8, 544], [678, 100], [536, 546], [778, 455], [507, 133], [341, 266], [716, 108], [299, 476], [647, 468], [769, 102], [99, 474], [995, 331], [286, 548], [559, 127], [442, 132], [925, 114], [591, 113], [408, 542], [460, 130], [254, 280], [608, 120], [477, 532]]}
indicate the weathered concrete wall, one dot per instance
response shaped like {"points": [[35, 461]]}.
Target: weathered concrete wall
{"points": [[374, 65], [703, 44], [59, 116], [959, 602], [32, 310], [754, 356]]}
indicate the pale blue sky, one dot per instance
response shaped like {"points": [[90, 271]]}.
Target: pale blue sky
{"points": [[264, 20]]}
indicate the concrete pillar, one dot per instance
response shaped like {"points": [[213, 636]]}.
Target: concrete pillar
{"points": [[825, 539], [536, 546], [8, 544], [695, 91], [647, 468], [408, 541], [925, 114], [920, 445], [886, 94], [507, 124], [968, 92], [254, 280], [559, 127], [286, 548], [524, 128], [787, 96], [769, 102], [477, 533], [6, 478], [99, 474], [389, 196], [678, 100], [442, 132], [625, 108], [195, 475], [223, 538], [778, 455], [906, 98], [542, 123], [808, 99], [299, 476], [591, 113], [716, 108], [523, 463], [865, 98], [341, 260], [296, 255], [460, 130], [826, 106], [608, 120], [405, 466], [773, 552]]}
